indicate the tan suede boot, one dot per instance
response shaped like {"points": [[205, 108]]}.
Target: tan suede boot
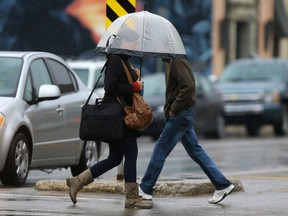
{"points": [[132, 197], [76, 183]]}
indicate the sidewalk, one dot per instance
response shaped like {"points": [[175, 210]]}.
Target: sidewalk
{"points": [[164, 187]]}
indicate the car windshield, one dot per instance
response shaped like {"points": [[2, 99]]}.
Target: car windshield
{"points": [[253, 73], [10, 69], [154, 85]]}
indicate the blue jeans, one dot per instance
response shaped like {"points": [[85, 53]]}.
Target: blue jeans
{"points": [[180, 128]]}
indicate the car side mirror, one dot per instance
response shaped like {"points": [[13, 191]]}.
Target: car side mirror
{"points": [[48, 92]]}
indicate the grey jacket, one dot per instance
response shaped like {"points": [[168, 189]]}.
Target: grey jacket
{"points": [[180, 86]]}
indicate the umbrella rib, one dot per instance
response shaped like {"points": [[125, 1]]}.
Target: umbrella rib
{"points": [[142, 42]]}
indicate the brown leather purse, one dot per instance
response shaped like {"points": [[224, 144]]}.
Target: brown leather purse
{"points": [[139, 115]]}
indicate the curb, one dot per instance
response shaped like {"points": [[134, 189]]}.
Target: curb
{"points": [[186, 187]]}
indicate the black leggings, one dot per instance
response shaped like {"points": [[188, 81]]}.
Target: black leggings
{"points": [[127, 148]]}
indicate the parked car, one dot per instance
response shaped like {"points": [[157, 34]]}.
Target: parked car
{"points": [[40, 108], [255, 91], [209, 107], [88, 70]]}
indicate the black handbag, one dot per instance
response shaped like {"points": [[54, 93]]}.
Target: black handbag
{"points": [[102, 121]]}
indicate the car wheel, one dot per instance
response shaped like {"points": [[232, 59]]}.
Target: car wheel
{"points": [[252, 129], [89, 156], [281, 128], [219, 131], [17, 163]]}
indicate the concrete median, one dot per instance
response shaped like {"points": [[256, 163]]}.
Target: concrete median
{"points": [[164, 187]]}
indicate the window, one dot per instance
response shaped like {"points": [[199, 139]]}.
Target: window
{"points": [[154, 85], [83, 74], [253, 72], [64, 79], [204, 86], [39, 74], [96, 76], [207, 86], [10, 70], [28, 92]]}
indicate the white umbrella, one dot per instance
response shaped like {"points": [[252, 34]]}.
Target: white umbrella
{"points": [[151, 35]]}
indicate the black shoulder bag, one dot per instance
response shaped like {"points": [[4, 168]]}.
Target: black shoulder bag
{"points": [[102, 121]]}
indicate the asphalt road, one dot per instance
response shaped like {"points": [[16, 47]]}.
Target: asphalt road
{"points": [[260, 163]]}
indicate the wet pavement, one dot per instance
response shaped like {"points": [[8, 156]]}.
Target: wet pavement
{"points": [[265, 194]]}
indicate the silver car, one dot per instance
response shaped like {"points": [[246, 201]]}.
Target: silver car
{"points": [[40, 108]]}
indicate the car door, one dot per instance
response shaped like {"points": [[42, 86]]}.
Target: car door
{"points": [[47, 118], [207, 104], [72, 99]]}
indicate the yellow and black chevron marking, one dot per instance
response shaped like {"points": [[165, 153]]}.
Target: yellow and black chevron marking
{"points": [[117, 8]]}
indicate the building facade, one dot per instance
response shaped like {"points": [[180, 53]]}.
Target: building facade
{"points": [[243, 28]]}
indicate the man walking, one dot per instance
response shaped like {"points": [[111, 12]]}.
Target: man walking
{"points": [[180, 116]]}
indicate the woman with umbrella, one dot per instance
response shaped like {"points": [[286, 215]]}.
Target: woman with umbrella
{"points": [[117, 84]]}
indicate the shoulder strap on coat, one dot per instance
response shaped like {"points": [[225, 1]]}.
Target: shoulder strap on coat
{"points": [[127, 72], [104, 66]]}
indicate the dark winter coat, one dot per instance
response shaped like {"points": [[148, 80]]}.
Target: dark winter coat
{"points": [[116, 81], [180, 87]]}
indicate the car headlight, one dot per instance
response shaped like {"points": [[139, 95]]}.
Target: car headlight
{"points": [[272, 97], [2, 119]]}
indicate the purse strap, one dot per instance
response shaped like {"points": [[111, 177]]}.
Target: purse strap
{"points": [[104, 66], [128, 74]]}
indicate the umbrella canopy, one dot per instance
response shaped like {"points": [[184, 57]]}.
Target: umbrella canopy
{"points": [[142, 34]]}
